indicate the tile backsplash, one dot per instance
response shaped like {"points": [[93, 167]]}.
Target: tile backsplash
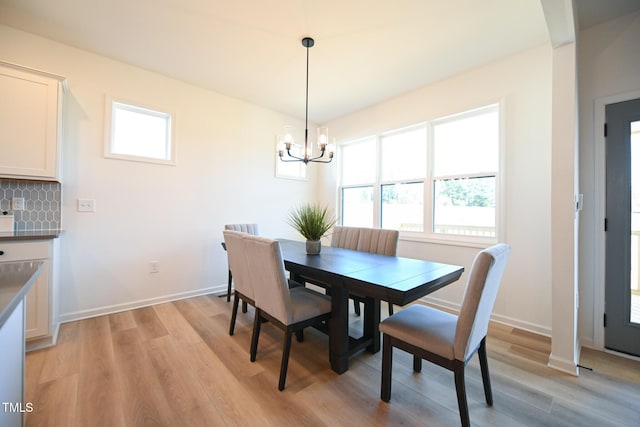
{"points": [[42, 201]]}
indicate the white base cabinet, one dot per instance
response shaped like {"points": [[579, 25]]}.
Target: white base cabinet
{"points": [[40, 326]]}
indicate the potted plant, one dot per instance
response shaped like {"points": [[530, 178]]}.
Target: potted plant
{"points": [[312, 221]]}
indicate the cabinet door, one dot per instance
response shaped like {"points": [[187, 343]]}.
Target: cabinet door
{"points": [[37, 306], [30, 123], [38, 317]]}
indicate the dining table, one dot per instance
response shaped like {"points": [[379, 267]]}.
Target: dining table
{"points": [[373, 278]]}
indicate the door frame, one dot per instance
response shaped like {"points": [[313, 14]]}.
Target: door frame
{"points": [[600, 169]]}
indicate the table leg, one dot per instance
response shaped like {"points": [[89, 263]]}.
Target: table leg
{"points": [[339, 330], [371, 323]]}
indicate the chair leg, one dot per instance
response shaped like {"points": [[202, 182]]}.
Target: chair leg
{"points": [[356, 306], [461, 392], [300, 335], [257, 322], [234, 313], [244, 306], [229, 287], [417, 363], [387, 362], [484, 368], [286, 348]]}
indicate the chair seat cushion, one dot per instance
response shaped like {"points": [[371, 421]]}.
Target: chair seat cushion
{"points": [[307, 303], [424, 327]]}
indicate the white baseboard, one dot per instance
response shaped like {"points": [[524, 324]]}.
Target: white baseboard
{"points": [[563, 365], [43, 342], [505, 320], [101, 311]]}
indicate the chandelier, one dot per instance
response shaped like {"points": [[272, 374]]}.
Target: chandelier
{"points": [[287, 142]]}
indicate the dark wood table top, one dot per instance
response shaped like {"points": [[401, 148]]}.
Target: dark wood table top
{"points": [[394, 279]]}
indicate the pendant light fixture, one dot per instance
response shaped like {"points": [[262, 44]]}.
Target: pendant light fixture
{"points": [[287, 142]]}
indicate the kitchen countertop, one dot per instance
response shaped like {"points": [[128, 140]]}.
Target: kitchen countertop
{"points": [[29, 235], [16, 278]]}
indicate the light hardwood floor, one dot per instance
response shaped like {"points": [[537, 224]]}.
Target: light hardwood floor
{"points": [[175, 364]]}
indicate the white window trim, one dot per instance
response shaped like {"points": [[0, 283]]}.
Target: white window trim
{"points": [[137, 106], [427, 236]]}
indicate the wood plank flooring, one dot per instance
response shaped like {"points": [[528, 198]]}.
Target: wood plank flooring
{"points": [[175, 364]]}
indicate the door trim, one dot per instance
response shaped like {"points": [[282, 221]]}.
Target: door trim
{"points": [[600, 170]]}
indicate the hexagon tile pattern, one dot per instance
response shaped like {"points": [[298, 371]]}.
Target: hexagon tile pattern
{"points": [[42, 202]]}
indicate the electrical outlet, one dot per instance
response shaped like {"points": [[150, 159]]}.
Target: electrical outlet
{"points": [[86, 205], [17, 203], [154, 267]]}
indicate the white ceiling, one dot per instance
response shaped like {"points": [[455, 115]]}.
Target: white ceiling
{"points": [[366, 51], [594, 12]]}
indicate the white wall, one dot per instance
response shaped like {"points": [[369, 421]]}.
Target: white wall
{"points": [[609, 71], [524, 82], [175, 215]]}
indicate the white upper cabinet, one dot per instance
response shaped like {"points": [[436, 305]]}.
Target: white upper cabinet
{"points": [[30, 123]]}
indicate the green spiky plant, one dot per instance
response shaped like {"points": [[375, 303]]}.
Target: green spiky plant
{"points": [[311, 220]]}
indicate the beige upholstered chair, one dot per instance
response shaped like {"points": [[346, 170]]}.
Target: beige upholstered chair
{"points": [[378, 241], [445, 339], [243, 288], [372, 240], [245, 228], [345, 237], [289, 309]]}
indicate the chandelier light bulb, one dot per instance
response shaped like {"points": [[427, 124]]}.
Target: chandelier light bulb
{"points": [[287, 139], [323, 137]]}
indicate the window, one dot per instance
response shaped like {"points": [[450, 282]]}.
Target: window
{"points": [[403, 166], [465, 165], [139, 133], [403, 206], [437, 179], [358, 179], [357, 206]]}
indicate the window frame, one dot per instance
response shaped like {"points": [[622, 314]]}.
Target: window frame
{"points": [[427, 235], [110, 109]]}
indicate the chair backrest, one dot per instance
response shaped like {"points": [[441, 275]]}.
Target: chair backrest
{"points": [[271, 289], [378, 241], [479, 297], [373, 240], [345, 237], [245, 228], [238, 262]]}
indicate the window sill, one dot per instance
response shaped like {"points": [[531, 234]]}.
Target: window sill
{"points": [[449, 240]]}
